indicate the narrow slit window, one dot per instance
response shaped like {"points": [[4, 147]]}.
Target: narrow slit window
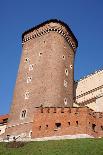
{"points": [[66, 72], [65, 101], [77, 123], [69, 123], [63, 57]]}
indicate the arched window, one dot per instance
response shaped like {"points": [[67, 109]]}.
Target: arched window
{"points": [[31, 67], [65, 83], [27, 60], [65, 101], [26, 95], [23, 114], [66, 72], [29, 79]]}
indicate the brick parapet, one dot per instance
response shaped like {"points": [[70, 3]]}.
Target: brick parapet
{"points": [[61, 109], [72, 121]]}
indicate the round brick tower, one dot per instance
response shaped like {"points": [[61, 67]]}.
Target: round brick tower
{"points": [[46, 72]]}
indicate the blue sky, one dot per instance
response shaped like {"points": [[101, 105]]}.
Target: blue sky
{"points": [[85, 18]]}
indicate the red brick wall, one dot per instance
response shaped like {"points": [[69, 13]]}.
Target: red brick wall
{"points": [[89, 122], [44, 123], [96, 120], [73, 121]]}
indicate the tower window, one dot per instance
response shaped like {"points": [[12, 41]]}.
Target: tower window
{"points": [[31, 67], [71, 66], [23, 114], [65, 101], [29, 79], [30, 134], [63, 57], [40, 53], [26, 95], [65, 83], [66, 72], [27, 60]]}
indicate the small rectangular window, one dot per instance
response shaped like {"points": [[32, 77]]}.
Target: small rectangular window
{"points": [[58, 125]]}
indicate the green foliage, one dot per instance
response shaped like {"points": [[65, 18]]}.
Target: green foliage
{"points": [[60, 147]]}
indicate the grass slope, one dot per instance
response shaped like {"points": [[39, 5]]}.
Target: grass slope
{"points": [[62, 147]]}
